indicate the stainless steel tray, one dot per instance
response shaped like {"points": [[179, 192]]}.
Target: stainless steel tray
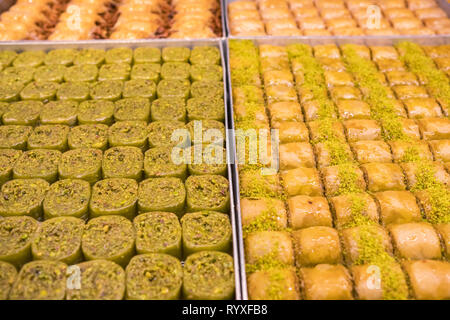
{"points": [[444, 4], [159, 43], [282, 41]]}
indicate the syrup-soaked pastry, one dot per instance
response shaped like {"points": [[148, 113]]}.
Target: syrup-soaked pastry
{"points": [[193, 19], [79, 21], [21, 20], [415, 240], [429, 279], [138, 19]]}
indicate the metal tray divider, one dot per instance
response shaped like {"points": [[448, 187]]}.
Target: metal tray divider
{"points": [[229, 155], [236, 189]]}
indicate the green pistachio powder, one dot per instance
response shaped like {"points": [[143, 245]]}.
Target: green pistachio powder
{"points": [[245, 68]]}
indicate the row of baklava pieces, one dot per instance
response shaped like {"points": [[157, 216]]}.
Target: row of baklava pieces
{"points": [[115, 162], [191, 19], [106, 280], [276, 71], [279, 85], [84, 19], [137, 111], [198, 55], [139, 235], [413, 101], [30, 19], [303, 18], [386, 58], [26, 196], [322, 276]]}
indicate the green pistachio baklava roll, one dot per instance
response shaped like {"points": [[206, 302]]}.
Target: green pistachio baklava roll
{"points": [[139, 88], [123, 162], [208, 275], [162, 194], [67, 198], [205, 89], [158, 232], [88, 136], [42, 91], [109, 237], [169, 109], [99, 280], [205, 109], [132, 109], [16, 236], [114, 71], [206, 132], [208, 159], [40, 280], [14, 136], [166, 133], [64, 57], [21, 75], [8, 274], [146, 71], [85, 163], [147, 55], [206, 230], [107, 90], [30, 58], [76, 91], [205, 55], [119, 55], [114, 196], [58, 239], [154, 276], [96, 112], [176, 54], [9, 89], [175, 71], [59, 112], [207, 192], [210, 73], [8, 157], [4, 106], [173, 88], [159, 162], [128, 133], [90, 56], [38, 163], [23, 113], [7, 57], [23, 197], [81, 72], [54, 73], [49, 137]]}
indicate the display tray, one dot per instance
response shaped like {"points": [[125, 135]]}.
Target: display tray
{"points": [[6, 4], [284, 41], [333, 12], [20, 46]]}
